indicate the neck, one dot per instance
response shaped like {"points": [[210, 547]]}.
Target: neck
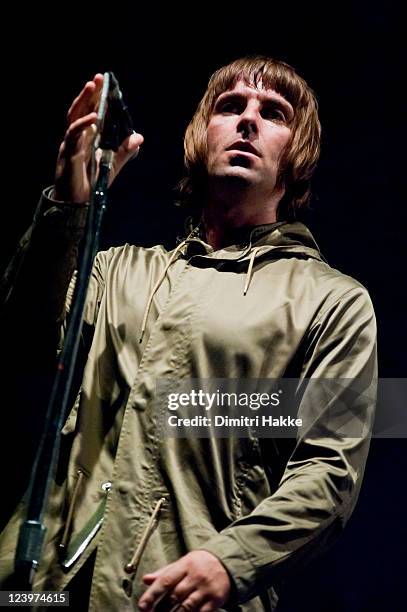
{"points": [[225, 214]]}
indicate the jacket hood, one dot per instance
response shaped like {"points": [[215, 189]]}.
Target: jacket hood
{"points": [[272, 238]]}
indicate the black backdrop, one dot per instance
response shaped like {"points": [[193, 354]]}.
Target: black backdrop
{"points": [[163, 55]]}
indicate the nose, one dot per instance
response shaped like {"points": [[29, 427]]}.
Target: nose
{"points": [[249, 120]]}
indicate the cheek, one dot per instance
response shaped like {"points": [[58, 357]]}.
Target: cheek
{"points": [[213, 149], [217, 136], [285, 139], [278, 143], [212, 139]]}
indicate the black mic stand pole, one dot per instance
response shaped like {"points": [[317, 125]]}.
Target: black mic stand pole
{"points": [[32, 531]]}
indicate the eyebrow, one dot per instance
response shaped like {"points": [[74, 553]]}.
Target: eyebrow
{"points": [[279, 102]]}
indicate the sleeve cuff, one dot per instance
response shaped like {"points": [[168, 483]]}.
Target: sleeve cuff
{"points": [[60, 215], [239, 567]]}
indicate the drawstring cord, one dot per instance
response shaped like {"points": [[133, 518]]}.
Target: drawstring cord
{"points": [[131, 567], [156, 287], [249, 272]]}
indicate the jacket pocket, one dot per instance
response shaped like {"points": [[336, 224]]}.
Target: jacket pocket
{"points": [[70, 549]]}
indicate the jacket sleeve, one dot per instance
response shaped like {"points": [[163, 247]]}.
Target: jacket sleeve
{"points": [[37, 286], [32, 310], [322, 477]]}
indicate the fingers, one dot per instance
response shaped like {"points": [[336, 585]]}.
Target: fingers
{"points": [[194, 602], [71, 173], [83, 112], [181, 591], [72, 176], [197, 581], [161, 583], [81, 115], [79, 129], [88, 99]]}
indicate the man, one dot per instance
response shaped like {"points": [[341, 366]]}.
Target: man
{"points": [[209, 522]]}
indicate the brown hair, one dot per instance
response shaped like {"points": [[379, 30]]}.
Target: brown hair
{"points": [[302, 152]]}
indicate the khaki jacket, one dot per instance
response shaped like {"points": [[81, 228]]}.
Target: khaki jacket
{"points": [[265, 308]]}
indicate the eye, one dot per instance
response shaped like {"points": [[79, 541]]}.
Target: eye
{"points": [[231, 107], [273, 113]]}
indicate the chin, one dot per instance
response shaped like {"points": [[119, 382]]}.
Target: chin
{"points": [[237, 170], [235, 176]]}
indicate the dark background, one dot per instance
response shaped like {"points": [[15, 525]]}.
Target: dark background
{"points": [[163, 55]]}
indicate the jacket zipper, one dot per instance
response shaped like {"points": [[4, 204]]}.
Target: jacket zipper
{"points": [[67, 556], [65, 536], [131, 567]]}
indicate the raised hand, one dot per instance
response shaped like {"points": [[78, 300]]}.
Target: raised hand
{"points": [[72, 175]]}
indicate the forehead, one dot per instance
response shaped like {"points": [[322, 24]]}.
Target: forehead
{"points": [[257, 91]]}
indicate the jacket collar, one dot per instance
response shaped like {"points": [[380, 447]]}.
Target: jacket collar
{"points": [[272, 237]]}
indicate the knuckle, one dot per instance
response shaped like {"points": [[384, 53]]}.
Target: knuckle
{"points": [[79, 156], [166, 582], [177, 592], [70, 135], [191, 603], [209, 607]]}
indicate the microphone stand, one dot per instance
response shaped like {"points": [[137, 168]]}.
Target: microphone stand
{"points": [[113, 124]]}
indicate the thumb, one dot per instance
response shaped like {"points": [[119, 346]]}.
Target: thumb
{"points": [[129, 149]]}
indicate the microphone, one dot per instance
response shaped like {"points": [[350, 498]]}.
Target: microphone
{"points": [[113, 117]]}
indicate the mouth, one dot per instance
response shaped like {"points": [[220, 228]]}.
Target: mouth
{"points": [[242, 146]]}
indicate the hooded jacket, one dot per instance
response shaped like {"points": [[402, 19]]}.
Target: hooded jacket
{"points": [[267, 307]]}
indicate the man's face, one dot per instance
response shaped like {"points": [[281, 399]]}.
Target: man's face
{"points": [[247, 133]]}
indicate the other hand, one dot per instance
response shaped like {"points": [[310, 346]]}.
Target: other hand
{"points": [[197, 581]]}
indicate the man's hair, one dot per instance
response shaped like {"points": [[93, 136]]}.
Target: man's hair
{"points": [[302, 152]]}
